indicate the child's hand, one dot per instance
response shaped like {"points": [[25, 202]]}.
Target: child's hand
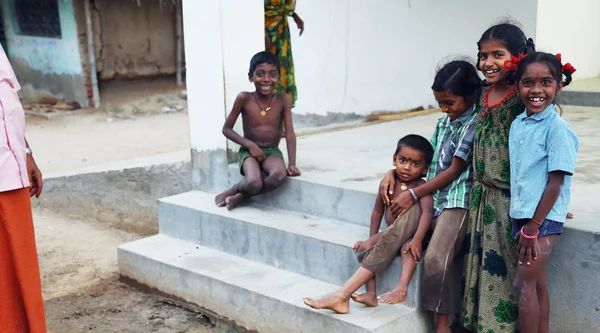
{"points": [[357, 246], [527, 249], [415, 247], [401, 204], [293, 171], [257, 153], [386, 187]]}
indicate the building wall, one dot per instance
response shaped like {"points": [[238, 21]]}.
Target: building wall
{"points": [[47, 68], [134, 41], [571, 29], [364, 56]]}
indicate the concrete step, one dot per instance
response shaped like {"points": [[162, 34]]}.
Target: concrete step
{"points": [[257, 297], [304, 196], [579, 98], [312, 246]]}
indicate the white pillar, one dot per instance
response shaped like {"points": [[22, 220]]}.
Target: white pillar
{"points": [[220, 38], [205, 92]]}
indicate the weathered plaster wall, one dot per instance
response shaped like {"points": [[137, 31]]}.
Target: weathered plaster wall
{"points": [[47, 67], [134, 41]]}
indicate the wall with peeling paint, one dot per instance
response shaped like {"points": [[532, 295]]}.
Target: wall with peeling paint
{"points": [[134, 41], [47, 68]]}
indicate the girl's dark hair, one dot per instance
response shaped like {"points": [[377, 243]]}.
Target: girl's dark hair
{"points": [[509, 35], [513, 38], [263, 57], [459, 77], [554, 65], [419, 143]]}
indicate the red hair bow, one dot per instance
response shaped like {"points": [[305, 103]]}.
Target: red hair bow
{"points": [[566, 67], [513, 63]]}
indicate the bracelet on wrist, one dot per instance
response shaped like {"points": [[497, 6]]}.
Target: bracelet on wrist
{"points": [[536, 222], [414, 195], [526, 236]]}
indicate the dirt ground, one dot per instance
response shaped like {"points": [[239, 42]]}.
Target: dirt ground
{"points": [[78, 257], [130, 124], [78, 264]]}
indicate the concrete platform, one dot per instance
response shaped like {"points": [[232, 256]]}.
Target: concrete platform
{"points": [[585, 92], [315, 247], [300, 194], [258, 297]]}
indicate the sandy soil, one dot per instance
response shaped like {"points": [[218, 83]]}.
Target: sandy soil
{"points": [[78, 258], [78, 265], [95, 138]]}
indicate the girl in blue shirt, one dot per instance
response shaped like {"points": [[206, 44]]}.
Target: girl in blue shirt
{"points": [[543, 150]]}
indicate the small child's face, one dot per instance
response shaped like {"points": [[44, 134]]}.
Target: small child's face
{"points": [[452, 105], [537, 87], [492, 56], [265, 78], [410, 164]]}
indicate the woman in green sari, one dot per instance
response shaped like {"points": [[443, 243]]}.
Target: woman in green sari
{"points": [[278, 41]]}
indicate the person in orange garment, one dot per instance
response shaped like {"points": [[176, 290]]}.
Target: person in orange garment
{"points": [[21, 304]]}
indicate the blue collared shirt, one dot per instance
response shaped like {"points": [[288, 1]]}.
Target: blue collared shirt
{"points": [[539, 144]]}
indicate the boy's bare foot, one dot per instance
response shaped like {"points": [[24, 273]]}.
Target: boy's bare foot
{"points": [[234, 201], [331, 302], [220, 199], [394, 296], [368, 299]]}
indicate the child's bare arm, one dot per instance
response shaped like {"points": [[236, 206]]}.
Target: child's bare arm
{"points": [[426, 205], [290, 136], [228, 131], [376, 216], [232, 135], [405, 200], [415, 246], [527, 247]]}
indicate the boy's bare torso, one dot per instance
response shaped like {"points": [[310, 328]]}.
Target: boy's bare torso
{"points": [[265, 130]]}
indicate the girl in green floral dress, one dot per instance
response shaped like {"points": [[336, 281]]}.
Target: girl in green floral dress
{"points": [[489, 302]]}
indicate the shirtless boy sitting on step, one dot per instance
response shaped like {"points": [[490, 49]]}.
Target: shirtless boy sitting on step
{"points": [[262, 112]]}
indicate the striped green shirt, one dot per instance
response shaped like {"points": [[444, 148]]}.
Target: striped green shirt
{"points": [[453, 139]]}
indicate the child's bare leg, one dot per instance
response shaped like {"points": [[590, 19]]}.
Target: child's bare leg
{"points": [[250, 185], [398, 294], [369, 298], [544, 300], [526, 286], [274, 167], [443, 323], [340, 300]]}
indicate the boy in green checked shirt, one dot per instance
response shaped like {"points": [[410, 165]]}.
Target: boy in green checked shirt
{"points": [[449, 179]]}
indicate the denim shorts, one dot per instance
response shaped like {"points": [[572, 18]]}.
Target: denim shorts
{"points": [[549, 227]]}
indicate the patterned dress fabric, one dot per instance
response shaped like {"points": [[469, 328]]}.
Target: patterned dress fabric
{"points": [[489, 303]]}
